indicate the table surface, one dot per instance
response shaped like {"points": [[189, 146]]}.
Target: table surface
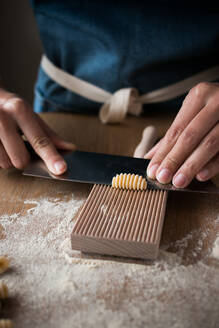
{"points": [[188, 216]]}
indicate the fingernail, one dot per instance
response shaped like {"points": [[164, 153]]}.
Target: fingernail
{"points": [[179, 180], [151, 172], [164, 176], [60, 166], [203, 175]]}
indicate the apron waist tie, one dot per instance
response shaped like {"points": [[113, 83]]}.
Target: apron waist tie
{"points": [[126, 100]]}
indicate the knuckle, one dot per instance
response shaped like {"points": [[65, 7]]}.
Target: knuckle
{"points": [[211, 142], [40, 142], [171, 161], [157, 159], [173, 134], [190, 168], [213, 165], [213, 107], [16, 105], [189, 137], [201, 88]]}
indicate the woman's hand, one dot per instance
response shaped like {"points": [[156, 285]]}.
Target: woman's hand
{"points": [[16, 115], [190, 147]]}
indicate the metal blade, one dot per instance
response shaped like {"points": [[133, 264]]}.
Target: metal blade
{"points": [[90, 167], [97, 168]]}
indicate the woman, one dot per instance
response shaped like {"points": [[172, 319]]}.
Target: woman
{"points": [[114, 50]]}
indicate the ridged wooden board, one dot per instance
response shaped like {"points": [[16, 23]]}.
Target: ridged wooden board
{"points": [[121, 222]]}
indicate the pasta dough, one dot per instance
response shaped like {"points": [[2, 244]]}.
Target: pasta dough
{"points": [[129, 181], [4, 264], [3, 291], [5, 323]]}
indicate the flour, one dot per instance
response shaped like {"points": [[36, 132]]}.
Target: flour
{"points": [[215, 249], [53, 286]]}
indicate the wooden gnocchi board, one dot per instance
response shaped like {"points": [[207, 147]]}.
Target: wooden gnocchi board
{"points": [[122, 222]]}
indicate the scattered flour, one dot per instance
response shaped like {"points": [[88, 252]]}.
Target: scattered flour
{"points": [[215, 249], [53, 286]]}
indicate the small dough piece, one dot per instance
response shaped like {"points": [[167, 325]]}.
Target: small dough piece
{"points": [[4, 264], [6, 323], [3, 291], [129, 181]]}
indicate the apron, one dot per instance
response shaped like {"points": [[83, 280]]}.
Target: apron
{"points": [[127, 100], [127, 55]]}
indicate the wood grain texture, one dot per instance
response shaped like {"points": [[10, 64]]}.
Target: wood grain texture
{"points": [[184, 212], [122, 222]]}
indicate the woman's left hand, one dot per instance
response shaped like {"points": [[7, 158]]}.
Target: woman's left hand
{"points": [[190, 147]]}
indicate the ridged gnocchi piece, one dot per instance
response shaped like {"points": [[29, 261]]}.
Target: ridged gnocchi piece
{"points": [[6, 323], [3, 291], [129, 181], [4, 264]]}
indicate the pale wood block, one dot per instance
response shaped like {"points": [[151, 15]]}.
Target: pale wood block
{"points": [[122, 222]]}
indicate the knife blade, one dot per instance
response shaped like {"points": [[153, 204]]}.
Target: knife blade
{"points": [[98, 168]]}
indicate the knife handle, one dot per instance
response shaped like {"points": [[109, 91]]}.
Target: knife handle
{"points": [[149, 137]]}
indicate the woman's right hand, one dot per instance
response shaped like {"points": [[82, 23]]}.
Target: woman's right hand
{"points": [[17, 115]]}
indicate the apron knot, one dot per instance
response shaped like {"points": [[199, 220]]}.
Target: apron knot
{"points": [[121, 102], [127, 100]]}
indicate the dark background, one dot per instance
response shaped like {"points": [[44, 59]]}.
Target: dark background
{"points": [[20, 47]]}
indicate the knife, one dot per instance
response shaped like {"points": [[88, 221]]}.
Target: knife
{"points": [[98, 168]]}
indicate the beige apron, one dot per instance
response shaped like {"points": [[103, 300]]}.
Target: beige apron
{"points": [[127, 100]]}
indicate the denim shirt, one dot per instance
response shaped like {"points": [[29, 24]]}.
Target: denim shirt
{"points": [[116, 44]]}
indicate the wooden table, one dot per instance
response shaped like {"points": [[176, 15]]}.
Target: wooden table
{"points": [[185, 212]]}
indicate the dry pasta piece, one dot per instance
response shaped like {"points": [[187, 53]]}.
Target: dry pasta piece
{"points": [[3, 291], [4, 264], [129, 181], [6, 323]]}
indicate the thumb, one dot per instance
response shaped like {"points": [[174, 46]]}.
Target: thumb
{"points": [[57, 140]]}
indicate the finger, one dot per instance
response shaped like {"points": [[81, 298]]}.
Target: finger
{"points": [[193, 103], [5, 162], [35, 134], [12, 142], [152, 151], [203, 122], [209, 170], [198, 159], [58, 141]]}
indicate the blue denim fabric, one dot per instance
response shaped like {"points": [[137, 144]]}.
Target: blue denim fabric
{"points": [[115, 44]]}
